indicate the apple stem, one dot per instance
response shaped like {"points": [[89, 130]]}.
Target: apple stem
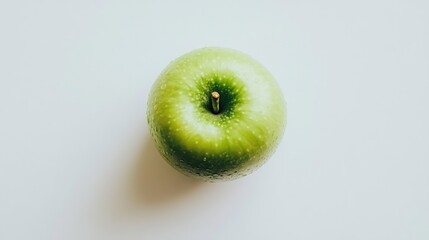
{"points": [[215, 102]]}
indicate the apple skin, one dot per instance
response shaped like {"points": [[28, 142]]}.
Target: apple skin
{"points": [[223, 146]]}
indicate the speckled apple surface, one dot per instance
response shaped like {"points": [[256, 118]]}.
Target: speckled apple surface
{"points": [[222, 146]]}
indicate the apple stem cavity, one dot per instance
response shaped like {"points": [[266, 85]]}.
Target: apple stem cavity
{"points": [[215, 102]]}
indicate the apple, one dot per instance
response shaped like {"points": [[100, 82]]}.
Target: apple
{"points": [[216, 114]]}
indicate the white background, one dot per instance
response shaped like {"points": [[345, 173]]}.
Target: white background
{"points": [[76, 160]]}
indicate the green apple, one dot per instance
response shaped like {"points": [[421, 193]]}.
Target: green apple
{"points": [[216, 114]]}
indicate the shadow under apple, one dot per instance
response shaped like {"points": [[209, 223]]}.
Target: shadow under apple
{"points": [[154, 182]]}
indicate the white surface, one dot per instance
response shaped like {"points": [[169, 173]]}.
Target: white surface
{"points": [[76, 161]]}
